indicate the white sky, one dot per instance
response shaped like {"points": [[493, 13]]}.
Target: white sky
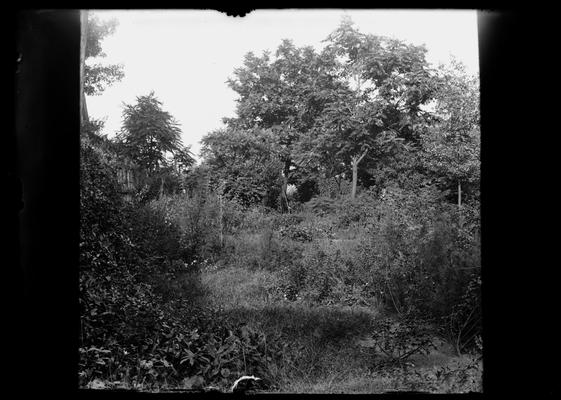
{"points": [[186, 56]]}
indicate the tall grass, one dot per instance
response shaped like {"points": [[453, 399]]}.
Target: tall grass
{"points": [[321, 352]]}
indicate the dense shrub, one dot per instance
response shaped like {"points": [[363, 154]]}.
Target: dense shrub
{"points": [[462, 326], [333, 187], [345, 209], [320, 277], [140, 321], [420, 259], [286, 220], [197, 220], [399, 339], [321, 205], [156, 236], [461, 376], [100, 204], [415, 256], [257, 218], [358, 210], [180, 347], [297, 232]]}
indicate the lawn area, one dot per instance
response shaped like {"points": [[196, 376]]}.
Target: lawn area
{"points": [[330, 347]]}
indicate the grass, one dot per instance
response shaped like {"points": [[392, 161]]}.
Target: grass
{"points": [[324, 350], [234, 287]]}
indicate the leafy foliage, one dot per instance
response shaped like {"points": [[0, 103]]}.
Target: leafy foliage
{"points": [[134, 329], [151, 139], [458, 377], [98, 76], [463, 324], [419, 253], [149, 132], [286, 94], [100, 203], [244, 164], [400, 339], [400, 247], [384, 83], [197, 221], [298, 233], [451, 145]]}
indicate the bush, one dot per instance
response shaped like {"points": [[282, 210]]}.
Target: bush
{"points": [[156, 236], [256, 218], [320, 277], [414, 257], [463, 376], [100, 205], [333, 187], [298, 233], [281, 221], [196, 218], [203, 349], [303, 227], [419, 259], [321, 205], [346, 210], [286, 252], [399, 339], [131, 257], [462, 325], [358, 210]]}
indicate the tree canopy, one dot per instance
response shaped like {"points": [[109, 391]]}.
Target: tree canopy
{"points": [[338, 111], [245, 163], [286, 93], [151, 139], [451, 145], [149, 134], [99, 76]]}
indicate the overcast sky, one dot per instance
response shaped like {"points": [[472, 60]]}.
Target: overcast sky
{"points": [[186, 56]]}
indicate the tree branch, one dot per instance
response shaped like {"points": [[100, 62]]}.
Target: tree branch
{"points": [[362, 156]]}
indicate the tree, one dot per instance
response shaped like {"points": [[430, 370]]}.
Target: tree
{"points": [[151, 138], [385, 82], [244, 163], [285, 94], [349, 107], [451, 145], [97, 75]]}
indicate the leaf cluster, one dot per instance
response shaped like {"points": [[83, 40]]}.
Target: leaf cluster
{"points": [[98, 76]]}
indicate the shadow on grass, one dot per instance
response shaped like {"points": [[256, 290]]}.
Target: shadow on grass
{"points": [[319, 340], [302, 323]]}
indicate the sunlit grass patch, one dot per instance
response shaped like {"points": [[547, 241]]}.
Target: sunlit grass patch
{"points": [[233, 287]]}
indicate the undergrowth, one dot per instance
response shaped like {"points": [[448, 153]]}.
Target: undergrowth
{"points": [[170, 298]]}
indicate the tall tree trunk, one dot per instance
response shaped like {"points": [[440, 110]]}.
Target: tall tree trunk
{"points": [[83, 40], [354, 163]]}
